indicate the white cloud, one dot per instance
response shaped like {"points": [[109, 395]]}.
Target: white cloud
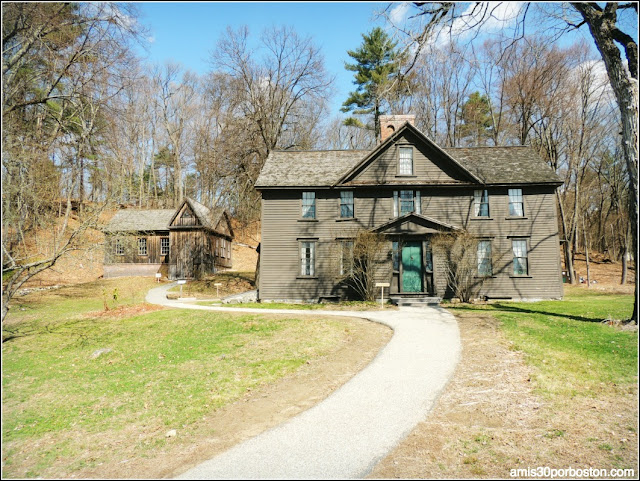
{"points": [[599, 85], [398, 14], [481, 18]]}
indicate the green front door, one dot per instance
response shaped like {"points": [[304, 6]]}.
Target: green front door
{"points": [[412, 267]]}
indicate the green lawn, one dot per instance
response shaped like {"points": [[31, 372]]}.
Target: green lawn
{"points": [[337, 306], [572, 351], [231, 283], [166, 369]]}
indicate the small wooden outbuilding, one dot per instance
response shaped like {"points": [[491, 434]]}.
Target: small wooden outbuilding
{"points": [[189, 242]]}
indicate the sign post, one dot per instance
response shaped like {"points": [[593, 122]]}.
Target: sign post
{"points": [[218, 284], [158, 276], [181, 282], [382, 285]]}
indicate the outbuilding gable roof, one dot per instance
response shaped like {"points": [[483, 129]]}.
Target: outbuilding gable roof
{"points": [[138, 220], [209, 218], [145, 220]]}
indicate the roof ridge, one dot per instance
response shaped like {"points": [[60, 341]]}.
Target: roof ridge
{"points": [[493, 147], [324, 150]]}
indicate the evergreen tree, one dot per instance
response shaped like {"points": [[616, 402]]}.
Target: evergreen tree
{"points": [[377, 65], [476, 117]]}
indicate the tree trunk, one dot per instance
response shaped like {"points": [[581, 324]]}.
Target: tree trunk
{"points": [[625, 254], [568, 256], [624, 82], [586, 254]]}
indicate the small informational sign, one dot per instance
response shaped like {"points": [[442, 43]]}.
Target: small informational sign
{"points": [[181, 282], [218, 284], [158, 276], [382, 285]]}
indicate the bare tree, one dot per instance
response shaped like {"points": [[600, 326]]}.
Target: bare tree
{"points": [[360, 260], [62, 63], [460, 262], [272, 96]]}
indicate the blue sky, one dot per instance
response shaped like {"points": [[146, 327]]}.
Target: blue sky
{"points": [[187, 32]]}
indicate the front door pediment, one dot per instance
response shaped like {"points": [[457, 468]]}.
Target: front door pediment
{"points": [[414, 224]]}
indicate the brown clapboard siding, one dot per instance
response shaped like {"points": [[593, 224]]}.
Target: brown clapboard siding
{"points": [[428, 165], [130, 243], [282, 230], [446, 179]]}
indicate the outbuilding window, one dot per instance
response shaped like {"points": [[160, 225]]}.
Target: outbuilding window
{"points": [[142, 246], [119, 247], [164, 246]]}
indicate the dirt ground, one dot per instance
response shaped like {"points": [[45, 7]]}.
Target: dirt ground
{"points": [[256, 412]]}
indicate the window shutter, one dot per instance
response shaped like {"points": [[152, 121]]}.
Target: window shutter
{"points": [[418, 203]]}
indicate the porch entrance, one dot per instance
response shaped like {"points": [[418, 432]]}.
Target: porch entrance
{"points": [[415, 267], [412, 267]]}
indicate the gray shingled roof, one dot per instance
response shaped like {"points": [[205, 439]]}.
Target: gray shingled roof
{"points": [[134, 220], [313, 168], [493, 165], [208, 217], [504, 165]]}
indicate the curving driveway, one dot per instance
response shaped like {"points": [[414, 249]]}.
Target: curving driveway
{"points": [[346, 435]]}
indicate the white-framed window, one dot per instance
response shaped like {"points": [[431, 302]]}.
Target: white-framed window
{"points": [[346, 257], [308, 205], [481, 203], [484, 258], [142, 246], [346, 204], [520, 257], [307, 258], [405, 161], [406, 202], [118, 247], [164, 246], [516, 203]]}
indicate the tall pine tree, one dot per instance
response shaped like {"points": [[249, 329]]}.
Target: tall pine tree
{"points": [[377, 66]]}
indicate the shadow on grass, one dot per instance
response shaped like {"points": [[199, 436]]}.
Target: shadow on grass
{"points": [[517, 309]]}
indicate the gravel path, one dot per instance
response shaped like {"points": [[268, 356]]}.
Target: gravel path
{"points": [[345, 435]]}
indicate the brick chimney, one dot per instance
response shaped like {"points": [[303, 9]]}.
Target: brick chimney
{"points": [[389, 124]]}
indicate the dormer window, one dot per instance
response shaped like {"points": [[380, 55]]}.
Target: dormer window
{"points": [[405, 161]]}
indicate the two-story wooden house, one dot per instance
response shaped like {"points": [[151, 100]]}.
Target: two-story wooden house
{"points": [[408, 188]]}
